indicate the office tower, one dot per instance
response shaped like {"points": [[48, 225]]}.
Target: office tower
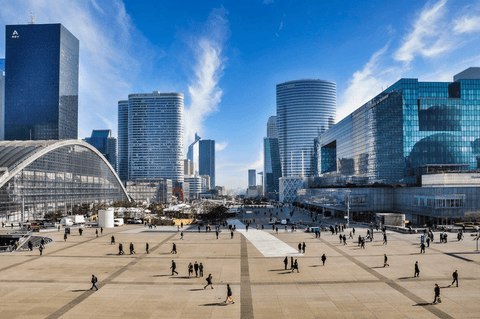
{"points": [[123, 140], [41, 82], [206, 158], [193, 154], [2, 99], [410, 129], [155, 136], [252, 177], [272, 127], [187, 167], [304, 108], [271, 166], [103, 141]]}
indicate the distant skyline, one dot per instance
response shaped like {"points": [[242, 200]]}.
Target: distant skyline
{"points": [[227, 57]]}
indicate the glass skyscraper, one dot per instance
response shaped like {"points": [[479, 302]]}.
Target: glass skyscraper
{"points": [[252, 177], [103, 141], [2, 99], [304, 109], [123, 140], [206, 160], [272, 169], [410, 128], [41, 84], [154, 136]]}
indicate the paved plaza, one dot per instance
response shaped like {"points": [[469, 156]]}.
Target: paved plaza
{"points": [[352, 284]]}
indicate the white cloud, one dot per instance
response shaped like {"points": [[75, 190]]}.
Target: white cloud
{"points": [[367, 83], [281, 26], [204, 92], [428, 37], [467, 25], [220, 146], [96, 6]]}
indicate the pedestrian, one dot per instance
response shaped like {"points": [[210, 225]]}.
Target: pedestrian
{"points": [[65, 237], [455, 278], [351, 235], [344, 239], [120, 249], [190, 269], [173, 267], [112, 241], [231, 234], [428, 241], [359, 240], [385, 238], [40, 249], [147, 248], [437, 294], [291, 262], [96, 232], [195, 266], [229, 295], [362, 244], [303, 247], [299, 247], [285, 261], [132, 250], [295, 266], [101, 230], [181, 235], [417, 270], [385, 261], [80, 231], [353, 230], [209, 281], [200, 269], [216, 233], [94, 282], [341, 238], [174, 249], [422, 248], [30, 245], [324, 258]]}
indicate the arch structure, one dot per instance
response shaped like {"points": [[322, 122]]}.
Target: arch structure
{"points": [[37, 177]]}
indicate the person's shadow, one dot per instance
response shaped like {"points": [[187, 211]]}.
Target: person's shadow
{"points": [[216, 304]]}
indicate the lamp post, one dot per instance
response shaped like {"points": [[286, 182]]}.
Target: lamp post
{"points": [[348, 207]]}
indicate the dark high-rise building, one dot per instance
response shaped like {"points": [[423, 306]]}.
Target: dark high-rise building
{"points": [[123, 140], [103, 141], [272, 170], [206, 158], [2, 99], [41, 82]]}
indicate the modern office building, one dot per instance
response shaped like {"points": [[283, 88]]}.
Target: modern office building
{"points": [[38, 177], [152, 146], [2, 99], [193, 154], [272, 168], [410, 128], [103, 141], [41, 82], [272, 131], [147, 191], [304, 109], [123, 140], [194, 185], [252, 177], [206, 160]]}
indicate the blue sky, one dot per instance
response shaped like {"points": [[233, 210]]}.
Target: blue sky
{"points": [[227, 57]]}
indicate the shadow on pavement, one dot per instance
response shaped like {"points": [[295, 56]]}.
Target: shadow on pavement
{"points": [[217, 304], [423, 304], [277, 269], [161, 275], [78, 290], [197, 289]]}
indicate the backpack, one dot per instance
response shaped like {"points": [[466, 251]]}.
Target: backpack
{"points": [[95, 279]]}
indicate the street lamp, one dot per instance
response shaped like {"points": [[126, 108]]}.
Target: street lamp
{"points": [[348, 207]]}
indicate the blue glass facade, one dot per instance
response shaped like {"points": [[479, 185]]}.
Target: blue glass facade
{"points": [[123, 140], [103, 141], [41, 85], [272, 168], [408, 127], [206, 158], [304, 109]]}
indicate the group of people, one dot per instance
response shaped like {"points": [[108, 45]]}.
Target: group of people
{"points": [[198, 269]]}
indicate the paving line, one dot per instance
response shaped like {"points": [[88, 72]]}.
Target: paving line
{"points": [[432, 309], [60, 312], [246, 306]]}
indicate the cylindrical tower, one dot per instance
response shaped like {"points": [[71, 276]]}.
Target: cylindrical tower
{"points": [[305, 108], [155, 136]]}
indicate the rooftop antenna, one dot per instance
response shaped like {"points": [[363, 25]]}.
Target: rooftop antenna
{"points": [[32, 18]]}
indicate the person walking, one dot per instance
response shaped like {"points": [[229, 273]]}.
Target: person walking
{"points": [[417, 270], [65, 237], [385, 261], [174, 249], [422, 248], [341, 238], [295, 266], [112, 240], [147, 246], [299, 247], [195, 266], [120, 249], [132, 250], [229, 295], [190, 269], [428, 241], [385, 242], [96, 232], [101, 230], [231, 234], [455, 278], [173, 267], [285, 261], [216, 233], [303, 247], [40, 249], [344, 239], [30, 245], [94, 282], [209, 281], [200, 269], [436, 290], [181, 235], [324, 258]]}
